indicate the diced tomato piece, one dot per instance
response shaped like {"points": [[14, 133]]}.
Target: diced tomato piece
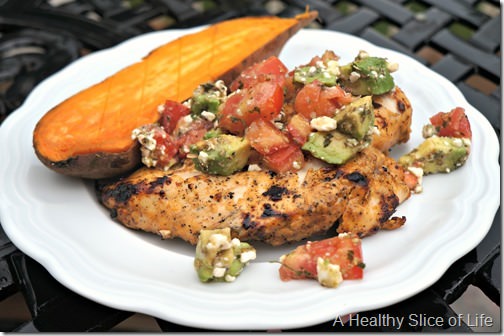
{"points": [[271, 69], [299, 129], [262, 101], [306, 102], [452, 124], [290, 158], [290, 88], [344, 250], [165, 151], [411, 180], [336, 95], [171, 114], [197, 130], [316, 100], [265, 138], [231, 119]]}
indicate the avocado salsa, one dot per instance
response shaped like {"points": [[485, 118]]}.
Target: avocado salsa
{"points": [[271, 118]]}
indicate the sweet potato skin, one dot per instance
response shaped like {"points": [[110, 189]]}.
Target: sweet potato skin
{"points": [[98, 165], [97, 157]]}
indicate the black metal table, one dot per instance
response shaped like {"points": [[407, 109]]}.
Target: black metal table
{"points": [[459, 39]]}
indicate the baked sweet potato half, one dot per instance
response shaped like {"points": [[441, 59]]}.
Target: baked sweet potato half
{"points": [[89, 134]]}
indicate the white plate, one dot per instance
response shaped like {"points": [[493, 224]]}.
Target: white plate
{"points": [[57, 220]]}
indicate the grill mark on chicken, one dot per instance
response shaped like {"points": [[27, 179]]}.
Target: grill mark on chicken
{"points": [[388, 206], [275, 192], [270, 212], [248, 222], [400, 106], [357, 178], [122, 193], [376, 105], [160, 181]]}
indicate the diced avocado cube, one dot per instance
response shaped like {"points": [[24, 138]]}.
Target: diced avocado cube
{"points": [[356, 118], [437, 155], [204, 102], [221, 155], [205, 273], [212, 133], [236, 268], [308, 74], [333, 147], [367, 76], [207, 98]]}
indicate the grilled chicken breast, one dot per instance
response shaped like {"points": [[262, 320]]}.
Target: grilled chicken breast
{"points": [[359, 196], [260, 205], [392, 118]]}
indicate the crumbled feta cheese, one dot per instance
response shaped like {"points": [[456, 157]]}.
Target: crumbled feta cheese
{"points": [[203, 157], [428, 131], [392, 67], [279, 125], [363, 54], [323, 124], [187, 103], [219, 272], [458, 142], [187, 119], [373, 74], [184, 123], [208, 115], [333, 67], [160, 108], [147, 158], [417, 171], [229, 278], [235, 242], [247, 256], [254, 167], [145, 137], [281, 116], [165, 233], [220, 241], [296, 165], [282, 258], [222, 88], [354, 76], [328, 275], [352, 142]]}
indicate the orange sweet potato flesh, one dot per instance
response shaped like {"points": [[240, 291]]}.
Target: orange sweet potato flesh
{"points": [[89, 134]]}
